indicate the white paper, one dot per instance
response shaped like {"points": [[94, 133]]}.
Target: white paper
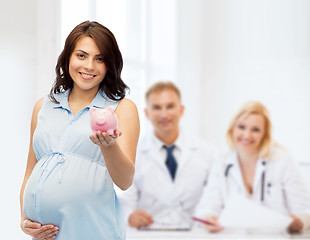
{"points": [[240, 212]]}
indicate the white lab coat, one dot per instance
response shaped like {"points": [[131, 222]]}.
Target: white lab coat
{"points": [[278, 185], [153, 190]]}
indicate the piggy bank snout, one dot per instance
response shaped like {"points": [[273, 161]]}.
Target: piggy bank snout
{"points": [[100, 120]]}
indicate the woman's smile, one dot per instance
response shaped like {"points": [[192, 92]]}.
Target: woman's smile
{"points": [[87, 76]]}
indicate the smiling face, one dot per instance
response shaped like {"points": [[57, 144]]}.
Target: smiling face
{"points": [[164, 110], [86, 66], [248, 133]]}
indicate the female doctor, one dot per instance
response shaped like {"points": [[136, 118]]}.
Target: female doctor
{"points": [[257, 169]]}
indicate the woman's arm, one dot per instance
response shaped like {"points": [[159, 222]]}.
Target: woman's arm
{"points": [[120, 152], [297, 195], [211, 201], [34, 229], [31, 162]]}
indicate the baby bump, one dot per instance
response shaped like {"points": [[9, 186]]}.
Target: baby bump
{"points": [[62, 182]]}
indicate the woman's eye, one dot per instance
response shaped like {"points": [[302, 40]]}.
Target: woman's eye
{"points": [[240, 126], [100, 59], [256, 130], [80, 55]]}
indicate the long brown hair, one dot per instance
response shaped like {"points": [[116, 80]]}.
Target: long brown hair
{"points": [[112, 85]]}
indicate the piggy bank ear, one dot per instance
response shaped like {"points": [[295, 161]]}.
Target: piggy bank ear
{"points": [[92, 110], [110, 108]]}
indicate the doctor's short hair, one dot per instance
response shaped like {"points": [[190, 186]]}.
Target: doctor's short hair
{"points": [[160, 86], [253, 107]]}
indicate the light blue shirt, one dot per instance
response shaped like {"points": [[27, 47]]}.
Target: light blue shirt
{"points": [[70, 186]]}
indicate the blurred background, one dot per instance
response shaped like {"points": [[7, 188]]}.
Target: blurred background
{"points": [[220, 53]]}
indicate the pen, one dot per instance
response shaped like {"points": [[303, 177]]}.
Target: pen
{"points": [[203, 221]]}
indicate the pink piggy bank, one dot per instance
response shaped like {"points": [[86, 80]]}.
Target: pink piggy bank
{"points": [[103, 119]]}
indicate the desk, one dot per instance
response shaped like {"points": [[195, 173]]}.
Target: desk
{"points": [[201, 234]]}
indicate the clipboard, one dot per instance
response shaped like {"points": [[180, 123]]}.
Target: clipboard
{"points": [[166, 227]]}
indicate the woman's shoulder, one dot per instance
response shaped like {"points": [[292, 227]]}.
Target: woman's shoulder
{"points": [[280, 153], [282, 158], [46, 100], [38, 105], [126, 105], [35, 112], [127, 101]]}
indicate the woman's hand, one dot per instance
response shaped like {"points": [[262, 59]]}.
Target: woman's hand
{"points": [[214, 226], [296, 225], [38, 231], [103, 139], [140, 218]]}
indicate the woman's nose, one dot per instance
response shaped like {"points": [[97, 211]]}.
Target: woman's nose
{"points": [[247, 133], [89, 65]]}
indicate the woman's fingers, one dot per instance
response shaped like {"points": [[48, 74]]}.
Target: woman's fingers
{"points": [[117, 133], [103, 139], [37, 231], [48, 234], [32, 225], [295, 226], [214, 226]]}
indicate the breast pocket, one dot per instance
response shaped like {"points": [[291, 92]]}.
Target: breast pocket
{"points": [[275, 196]]}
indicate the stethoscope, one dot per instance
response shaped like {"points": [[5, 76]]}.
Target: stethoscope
{"points": [[262, 194]]}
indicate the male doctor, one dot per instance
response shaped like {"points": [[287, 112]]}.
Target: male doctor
{"points": [[171, 167]]}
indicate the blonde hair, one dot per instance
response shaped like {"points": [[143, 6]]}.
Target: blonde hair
{"points": [[160, 86], [253, 107]]}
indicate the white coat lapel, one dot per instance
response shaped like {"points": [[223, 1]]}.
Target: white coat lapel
{"points": [[151, 151], [234, 172], [259, 180], [187, 148]]}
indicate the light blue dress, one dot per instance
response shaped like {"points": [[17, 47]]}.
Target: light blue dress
{"points": [[70, 186]]}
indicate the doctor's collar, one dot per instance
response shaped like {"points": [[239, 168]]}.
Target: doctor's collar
{"points": [[233, 159], [157, 143]]}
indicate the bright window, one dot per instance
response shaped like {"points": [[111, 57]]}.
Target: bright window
{"points": [[146, 34]]}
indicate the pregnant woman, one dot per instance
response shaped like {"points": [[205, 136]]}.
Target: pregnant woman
{"points": [[67, 192]]}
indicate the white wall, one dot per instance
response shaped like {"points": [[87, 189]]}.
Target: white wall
{"points": [[189, 63], [48, 44], [18, 73], [257, 50]]}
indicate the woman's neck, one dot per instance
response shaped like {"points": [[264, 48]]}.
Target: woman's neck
{"points": [[248, 158], [79, 95], [78, 99], [247, 162]]}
